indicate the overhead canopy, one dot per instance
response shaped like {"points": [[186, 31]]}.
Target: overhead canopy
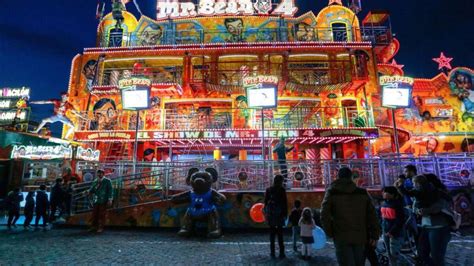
{"points": [[376, 18]]}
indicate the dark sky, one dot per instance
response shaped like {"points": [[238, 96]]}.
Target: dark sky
{"points": [[38, 39]]}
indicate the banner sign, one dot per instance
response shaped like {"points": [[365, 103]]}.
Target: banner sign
{"points": [[186, 9], [87, 154], [41, 152], [227, 134]]}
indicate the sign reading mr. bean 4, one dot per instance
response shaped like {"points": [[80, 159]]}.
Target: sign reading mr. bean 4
{"points": [[177, 9]]}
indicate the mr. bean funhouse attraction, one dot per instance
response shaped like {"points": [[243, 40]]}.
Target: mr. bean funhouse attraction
{"points": [[231, 84]]}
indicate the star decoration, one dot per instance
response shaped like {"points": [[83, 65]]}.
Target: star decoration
{"points": [[338, 2], [443, 61], [394, 63]]}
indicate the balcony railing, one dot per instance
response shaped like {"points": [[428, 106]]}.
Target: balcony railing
{"points": [[166, 74], [231, 73], [223, 118], [378, 35]]}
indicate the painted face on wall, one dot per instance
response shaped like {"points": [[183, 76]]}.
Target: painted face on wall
{"points": [[105, 115], [431, 144], [304, 32], [263, 6], [89, 69], [151, 35], [235, 27]]}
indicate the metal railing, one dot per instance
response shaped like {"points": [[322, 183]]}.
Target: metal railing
{"points": [[378, 35], [164, 74], [187, 118], [157, 181], [232, 73]]}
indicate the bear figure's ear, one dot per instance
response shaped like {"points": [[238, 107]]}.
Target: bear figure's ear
{"points": [[191, 172], [213, 173]]}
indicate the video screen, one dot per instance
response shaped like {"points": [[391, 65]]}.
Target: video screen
{"points": [[266, 96], [136, 99], [396, 96]]}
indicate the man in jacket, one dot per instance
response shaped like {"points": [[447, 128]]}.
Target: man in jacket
{"points": [[101, 191], [57, 199], [348, 216], [42, 207]]}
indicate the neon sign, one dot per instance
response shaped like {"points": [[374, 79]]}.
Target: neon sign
{"points": [[225, 134], [136, 81], [260, 79], [5, 104], [396, 79], [10, 116], [87, 154], [41, 152], [14, 92], [176, 9]]}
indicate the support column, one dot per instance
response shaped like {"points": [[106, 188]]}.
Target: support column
{"points": [[242, 155]]}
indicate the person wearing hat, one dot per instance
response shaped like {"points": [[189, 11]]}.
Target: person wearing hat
{"points": [[281, 150], [101, 191]]}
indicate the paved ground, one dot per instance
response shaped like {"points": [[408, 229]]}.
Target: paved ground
{"points": [[162, 247]]}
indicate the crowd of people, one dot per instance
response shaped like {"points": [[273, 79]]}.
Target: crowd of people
{"points": [[39, 205], [416, 205]]}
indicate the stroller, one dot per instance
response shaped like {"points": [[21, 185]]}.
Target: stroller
{"points": [[408, 252]]}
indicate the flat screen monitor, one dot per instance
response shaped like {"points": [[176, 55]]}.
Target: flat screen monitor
{"points": [[264, 97], [137, 98], [396, 96]]}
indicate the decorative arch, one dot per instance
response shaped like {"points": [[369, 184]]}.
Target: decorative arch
{"points": [[337, 14]]}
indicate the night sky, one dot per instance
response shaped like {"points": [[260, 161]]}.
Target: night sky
{"points": [[38, 39]]}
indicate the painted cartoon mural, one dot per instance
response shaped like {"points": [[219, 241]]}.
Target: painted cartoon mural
{"points": [[460, 82], [440, 117]]}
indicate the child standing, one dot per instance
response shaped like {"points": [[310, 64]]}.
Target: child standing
{"points": [[294, 219], [307, 225], [29, 209], [393, 218]]}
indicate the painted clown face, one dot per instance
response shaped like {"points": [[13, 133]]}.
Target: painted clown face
{"points": [[263, 6]]}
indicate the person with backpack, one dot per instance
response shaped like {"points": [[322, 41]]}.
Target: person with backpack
{"points": [[294, 219], [349, 217], [42, 207], [29, 209], [276, 211], [13, 206], [393, 219]]}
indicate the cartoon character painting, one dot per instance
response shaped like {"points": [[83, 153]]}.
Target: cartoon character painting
{"points": [[105, 115], [460, 82], [61, 107], [235, 27], [150, 35]]}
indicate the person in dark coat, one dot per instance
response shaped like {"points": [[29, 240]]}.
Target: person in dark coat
{"points": [[349, 217], [42, 207], [393, 219], [57, 199], [13, 205], [276, 211], [29, 209], [281, 150]]}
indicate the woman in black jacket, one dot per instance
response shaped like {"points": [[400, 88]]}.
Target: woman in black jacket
{"points": [[276, 211]]}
